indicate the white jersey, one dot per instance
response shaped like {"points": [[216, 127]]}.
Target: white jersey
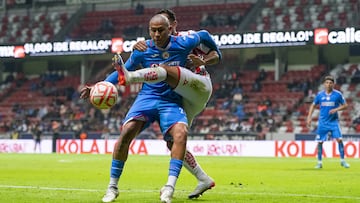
{"points": [[200, 51], [196, 90], [194, 86]]}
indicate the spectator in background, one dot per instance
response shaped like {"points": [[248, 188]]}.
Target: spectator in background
{"points": [[55, 127], [262, 75], [342, 79], [9, 78], [107, 28], [268, 102], [139, 9], [37, 135], [261, 109], [206, 20], [256, 85], [235, 19], [355, 79]]}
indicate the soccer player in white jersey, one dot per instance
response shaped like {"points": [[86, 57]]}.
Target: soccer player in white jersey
{"points": [[196, 90], [330, 101]]}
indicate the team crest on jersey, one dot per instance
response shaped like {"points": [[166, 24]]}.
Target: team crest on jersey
{"points": [[165, 55]]}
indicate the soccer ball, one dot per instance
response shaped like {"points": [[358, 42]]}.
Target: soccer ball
{"points": [[103, 95]]}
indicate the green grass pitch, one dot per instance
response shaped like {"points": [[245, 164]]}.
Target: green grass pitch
{"points": [[55, 178]]}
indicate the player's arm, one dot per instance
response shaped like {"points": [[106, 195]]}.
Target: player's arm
{"points": [[211, 58], [207, 40], [339, 108], [140, 45], [309, 117], [212, 53]]}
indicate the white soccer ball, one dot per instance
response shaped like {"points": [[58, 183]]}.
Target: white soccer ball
{"points": [[103, 95]]}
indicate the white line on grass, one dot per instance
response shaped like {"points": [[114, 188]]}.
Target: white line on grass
{"points": [[241, 193]]}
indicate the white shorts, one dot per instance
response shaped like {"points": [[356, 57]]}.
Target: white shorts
{"points": [[196, 91]]}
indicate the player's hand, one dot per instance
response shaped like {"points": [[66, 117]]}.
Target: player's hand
{"points": [[332, 111], [85, 92], [140, 46], [196, 60], [308, 122]]}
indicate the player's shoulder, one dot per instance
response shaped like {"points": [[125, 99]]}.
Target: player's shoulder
{"points": [[321, 92], [188, 32], [185, 37], [150, 43], [337, 92]]}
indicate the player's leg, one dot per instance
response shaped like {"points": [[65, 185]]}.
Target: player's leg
{"points": [[120, 155], [149, 75], [205, 182], [179, 134], [194, 101], [173, 128], [319, 155], [320, 138], [336, 133]]}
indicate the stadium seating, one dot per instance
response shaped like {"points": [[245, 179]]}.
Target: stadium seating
{"points": [[291, 14], [188, 16], [33, 27]]}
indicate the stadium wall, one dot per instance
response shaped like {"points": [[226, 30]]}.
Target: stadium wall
{"points": [[199, 148]]}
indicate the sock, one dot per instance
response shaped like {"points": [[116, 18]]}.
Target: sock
{"points": [[319, 153], [148, 75], [174, 171], [341, 150], [193, 167], [115, 172]]}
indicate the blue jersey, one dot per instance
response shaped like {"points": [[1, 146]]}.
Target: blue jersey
{"points": [[326, 103], [157, 101], [328, 123]]}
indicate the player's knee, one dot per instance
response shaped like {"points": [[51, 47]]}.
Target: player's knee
{"points": [[128, 133]]}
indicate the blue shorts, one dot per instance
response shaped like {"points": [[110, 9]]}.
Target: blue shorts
{"points": [[324, 130], [166, 113]]}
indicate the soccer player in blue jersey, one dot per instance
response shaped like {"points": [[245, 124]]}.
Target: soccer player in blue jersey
{"points": [[155, 102], [330, 101], [194, 101]]}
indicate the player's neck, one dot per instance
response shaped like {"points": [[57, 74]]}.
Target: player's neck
{"points": [[165, 45]]}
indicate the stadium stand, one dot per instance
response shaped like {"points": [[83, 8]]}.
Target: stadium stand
{"points": [[292, 14], [127, 23], [31, 26]]}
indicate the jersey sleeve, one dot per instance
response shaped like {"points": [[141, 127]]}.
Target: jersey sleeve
{"points": [[134, 60], [207, 40], [342, 99], [113, 78], [317, 99]]}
